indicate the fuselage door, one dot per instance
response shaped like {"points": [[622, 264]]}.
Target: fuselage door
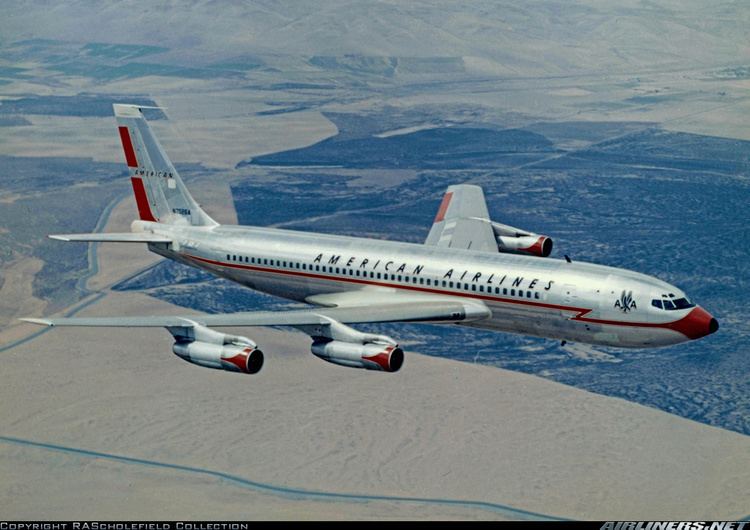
{"points": [[570, 294]]}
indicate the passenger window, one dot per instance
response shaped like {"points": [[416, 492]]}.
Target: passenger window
{"points": [[513, 292], [505, 290], [228, 258], [481, 288], [536, 295], [450, 284], [528, 294], [473, 287]]}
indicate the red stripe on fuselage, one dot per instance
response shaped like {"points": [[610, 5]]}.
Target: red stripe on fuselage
{"points": [[141, 200], [127, 146], [443, 207], [680, 325]]}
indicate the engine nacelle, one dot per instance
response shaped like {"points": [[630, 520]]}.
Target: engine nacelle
{"points": [[514, 240], [533, 244], [233, 358], [212, 349], [384, 357]]}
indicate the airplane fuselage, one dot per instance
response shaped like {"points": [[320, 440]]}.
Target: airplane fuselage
{"points": [[529, 295]]}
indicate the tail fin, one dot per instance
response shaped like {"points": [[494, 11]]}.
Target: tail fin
{"points": [[159, 191]]}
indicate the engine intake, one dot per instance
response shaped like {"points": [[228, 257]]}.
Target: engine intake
{"points": [[383, 357]]}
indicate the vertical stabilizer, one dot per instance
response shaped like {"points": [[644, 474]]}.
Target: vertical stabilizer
{"points": [[160, 194]]}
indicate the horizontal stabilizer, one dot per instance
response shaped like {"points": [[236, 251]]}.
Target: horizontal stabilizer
{"points": [[112, 237]]}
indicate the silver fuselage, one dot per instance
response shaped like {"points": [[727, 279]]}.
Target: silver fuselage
{"points": [[528, 295]]}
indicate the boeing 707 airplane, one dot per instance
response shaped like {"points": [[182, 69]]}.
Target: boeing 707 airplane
{"points": [[470, 271]]}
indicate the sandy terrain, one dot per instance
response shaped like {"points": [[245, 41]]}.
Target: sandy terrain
{"points": [[106, 490], [438, 428]]}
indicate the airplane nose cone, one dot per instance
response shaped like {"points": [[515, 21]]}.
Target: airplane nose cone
{"points": [[698, 323]]}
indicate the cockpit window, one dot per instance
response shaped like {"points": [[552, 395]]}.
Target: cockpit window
{"points": [[672, 305], [683, 303]]}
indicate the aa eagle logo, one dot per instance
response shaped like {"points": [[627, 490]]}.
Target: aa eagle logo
{"points": [[626, 302]]}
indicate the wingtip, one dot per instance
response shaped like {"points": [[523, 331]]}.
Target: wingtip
{"points": [[58, 237], [38, 321]]}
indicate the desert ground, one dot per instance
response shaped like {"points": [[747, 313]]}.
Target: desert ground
{"points": [[109, 424], [436, 430]]}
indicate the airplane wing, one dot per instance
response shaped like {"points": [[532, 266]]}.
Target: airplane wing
{"points": [[463, 221], [414, 311]]}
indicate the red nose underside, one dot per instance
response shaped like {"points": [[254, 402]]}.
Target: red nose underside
{"points": [[696, 324]]}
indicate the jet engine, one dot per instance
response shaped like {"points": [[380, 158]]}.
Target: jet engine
{"points": [[513, 240], [337, 343], [211, 349], [384, 357]]}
